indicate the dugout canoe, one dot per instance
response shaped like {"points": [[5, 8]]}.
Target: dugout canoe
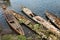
{"points": [[38, 28], [13, 22], [53, 18], [42, 21]]}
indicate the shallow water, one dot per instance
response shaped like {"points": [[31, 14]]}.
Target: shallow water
{"points": [[37, 6]]}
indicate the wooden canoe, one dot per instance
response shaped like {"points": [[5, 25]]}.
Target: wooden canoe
{"points": [[28, 12], [33, 25], [42, 21], [53, 18], [12, 21]]}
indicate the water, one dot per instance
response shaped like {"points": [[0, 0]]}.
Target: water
{"points": [[37, 6]]}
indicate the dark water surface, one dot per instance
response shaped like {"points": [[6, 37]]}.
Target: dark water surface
{"points": [[37, 6]]}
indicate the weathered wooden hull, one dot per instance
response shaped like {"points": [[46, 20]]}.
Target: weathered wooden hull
{"points": [[12, 21], [32, 25], [54, 19], [42, 21], [40, 30], [28, 15]]}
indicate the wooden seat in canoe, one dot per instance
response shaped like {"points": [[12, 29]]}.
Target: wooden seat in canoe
{"points": [[27, 22], [38, 18]]}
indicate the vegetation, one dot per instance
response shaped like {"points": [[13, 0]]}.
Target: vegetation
{"points": [[22, 20], [34, 37], [36, 26], [21, 37], [0, 29], [39, 28], [13, 37], [52, 37]]}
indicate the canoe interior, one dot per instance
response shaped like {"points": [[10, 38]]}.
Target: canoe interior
{"points": [[30, 16], [53, 19], [42, 21], [13, 22], [32, 25]]}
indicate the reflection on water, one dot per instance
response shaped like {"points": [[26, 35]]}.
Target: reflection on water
{"points": [[37, 6]]}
